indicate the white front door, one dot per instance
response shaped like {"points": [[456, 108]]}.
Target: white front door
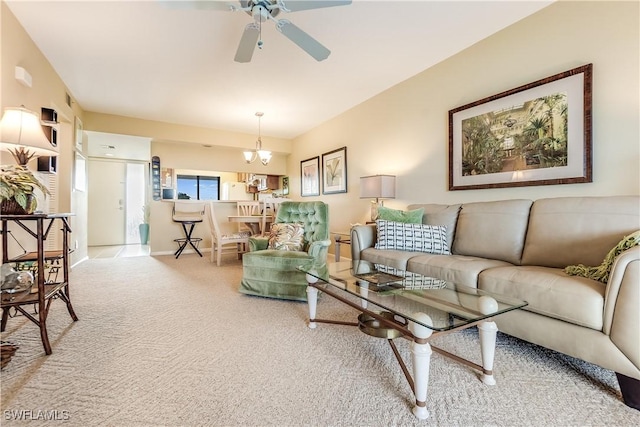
{"points": [[107, 198]]}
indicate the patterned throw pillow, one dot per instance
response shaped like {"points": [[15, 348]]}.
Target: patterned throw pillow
{"points": [[410, 217], [413, 280], [286, 236], [412, 237]]}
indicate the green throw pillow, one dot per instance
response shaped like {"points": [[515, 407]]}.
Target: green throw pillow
{"points": [[407, 217]]}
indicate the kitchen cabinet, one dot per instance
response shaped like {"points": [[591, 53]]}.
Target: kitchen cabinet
{"points": [[273, 182]]}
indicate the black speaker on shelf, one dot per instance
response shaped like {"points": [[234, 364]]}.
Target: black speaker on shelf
{"points": [[49, 119], [48, 164]]}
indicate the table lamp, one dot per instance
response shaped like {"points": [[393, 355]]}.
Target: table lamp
{"points": [[21, 134], [377, 187]]}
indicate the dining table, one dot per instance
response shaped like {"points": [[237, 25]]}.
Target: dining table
{"points": [[254, 222]]}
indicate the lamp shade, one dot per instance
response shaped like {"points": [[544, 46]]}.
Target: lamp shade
{"points": [[378, 187], [21, 133]]}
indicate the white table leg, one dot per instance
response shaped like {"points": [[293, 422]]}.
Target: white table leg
{"points": [[312, 300], [488, 332], [364, 291], [421, 358]]}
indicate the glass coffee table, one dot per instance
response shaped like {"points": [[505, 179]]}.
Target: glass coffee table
{"points": [[398, 304]]}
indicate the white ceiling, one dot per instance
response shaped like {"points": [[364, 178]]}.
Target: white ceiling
{"points": [[146, 60]]}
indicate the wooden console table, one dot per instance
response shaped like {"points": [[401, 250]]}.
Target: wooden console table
{"points": [[47, 291]]}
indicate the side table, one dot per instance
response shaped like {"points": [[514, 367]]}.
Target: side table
{"points": [[47, 290], [340, 240]]}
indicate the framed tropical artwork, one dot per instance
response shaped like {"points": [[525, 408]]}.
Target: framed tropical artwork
{"points": [[310, 177], [334, 171], [536, 134]]}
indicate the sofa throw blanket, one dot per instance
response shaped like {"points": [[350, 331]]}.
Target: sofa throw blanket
{"points": [[601, 272]]}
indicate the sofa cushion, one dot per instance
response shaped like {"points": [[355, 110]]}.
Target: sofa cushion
{"points": [[494, 230], [459, 269], [445, 215], [412, 237], [578, 230], [550, 292], [392, 258], [410, 216]]}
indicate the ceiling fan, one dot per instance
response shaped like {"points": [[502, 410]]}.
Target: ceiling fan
{"points": [[263, 10]]}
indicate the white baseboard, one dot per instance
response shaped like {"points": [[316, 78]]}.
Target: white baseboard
{"points": [[186, 251]]}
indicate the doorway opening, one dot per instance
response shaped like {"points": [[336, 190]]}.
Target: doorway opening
{"points": [[116, 207]]}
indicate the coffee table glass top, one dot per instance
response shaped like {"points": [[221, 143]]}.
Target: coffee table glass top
{"points": [[403, 293]]}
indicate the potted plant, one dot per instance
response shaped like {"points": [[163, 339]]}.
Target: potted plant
{"points": [[144, 227], [17, 186]]}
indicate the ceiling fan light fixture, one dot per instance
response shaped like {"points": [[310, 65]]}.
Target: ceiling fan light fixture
{"points": [[267, 10], [259, 13]]}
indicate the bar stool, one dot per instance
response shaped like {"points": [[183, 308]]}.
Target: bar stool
{"points": [[188, 214]]}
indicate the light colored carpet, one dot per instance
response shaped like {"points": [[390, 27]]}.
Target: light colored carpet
{"points": [[165, 342]]}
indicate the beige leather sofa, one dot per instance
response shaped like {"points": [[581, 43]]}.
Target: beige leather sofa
{"points": [[520, 248]]}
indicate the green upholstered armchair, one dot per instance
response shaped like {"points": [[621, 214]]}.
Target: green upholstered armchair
{"points": [[274, 273]]}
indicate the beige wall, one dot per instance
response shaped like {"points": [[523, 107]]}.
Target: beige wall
{"points": [[47, 90], [404, 130], [169, 132], [177, 156], [182, 147], [195, 156]]}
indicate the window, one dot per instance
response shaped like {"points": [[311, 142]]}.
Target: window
{"points": [[197, 187]]}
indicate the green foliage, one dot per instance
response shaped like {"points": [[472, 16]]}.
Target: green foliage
{"points": [[146, 213], [481, 152], [17, 182]]}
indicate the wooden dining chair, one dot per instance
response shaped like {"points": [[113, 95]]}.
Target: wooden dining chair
{"points": [[269, 209], [248, 207], [224, 243]]}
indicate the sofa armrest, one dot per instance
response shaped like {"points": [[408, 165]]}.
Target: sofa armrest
{"points": [[258, 243], [362, 237], [622, 304]]}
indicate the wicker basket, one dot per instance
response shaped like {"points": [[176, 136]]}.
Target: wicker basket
{"points": [[7, 350], [11, 207]]}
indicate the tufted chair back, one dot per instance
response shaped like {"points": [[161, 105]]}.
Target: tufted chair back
{"points": [[313, 215]]}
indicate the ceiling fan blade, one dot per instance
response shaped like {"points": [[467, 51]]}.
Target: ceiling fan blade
{"points": [[296, 5], [199, 4], [302, 39], [247, 43]]}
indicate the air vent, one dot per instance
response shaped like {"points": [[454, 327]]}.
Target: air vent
{"points": [[108, 147], [50, 204], [67, 98]]}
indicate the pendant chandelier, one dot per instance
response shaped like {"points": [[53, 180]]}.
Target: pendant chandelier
{"points": [[258, 153]]}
